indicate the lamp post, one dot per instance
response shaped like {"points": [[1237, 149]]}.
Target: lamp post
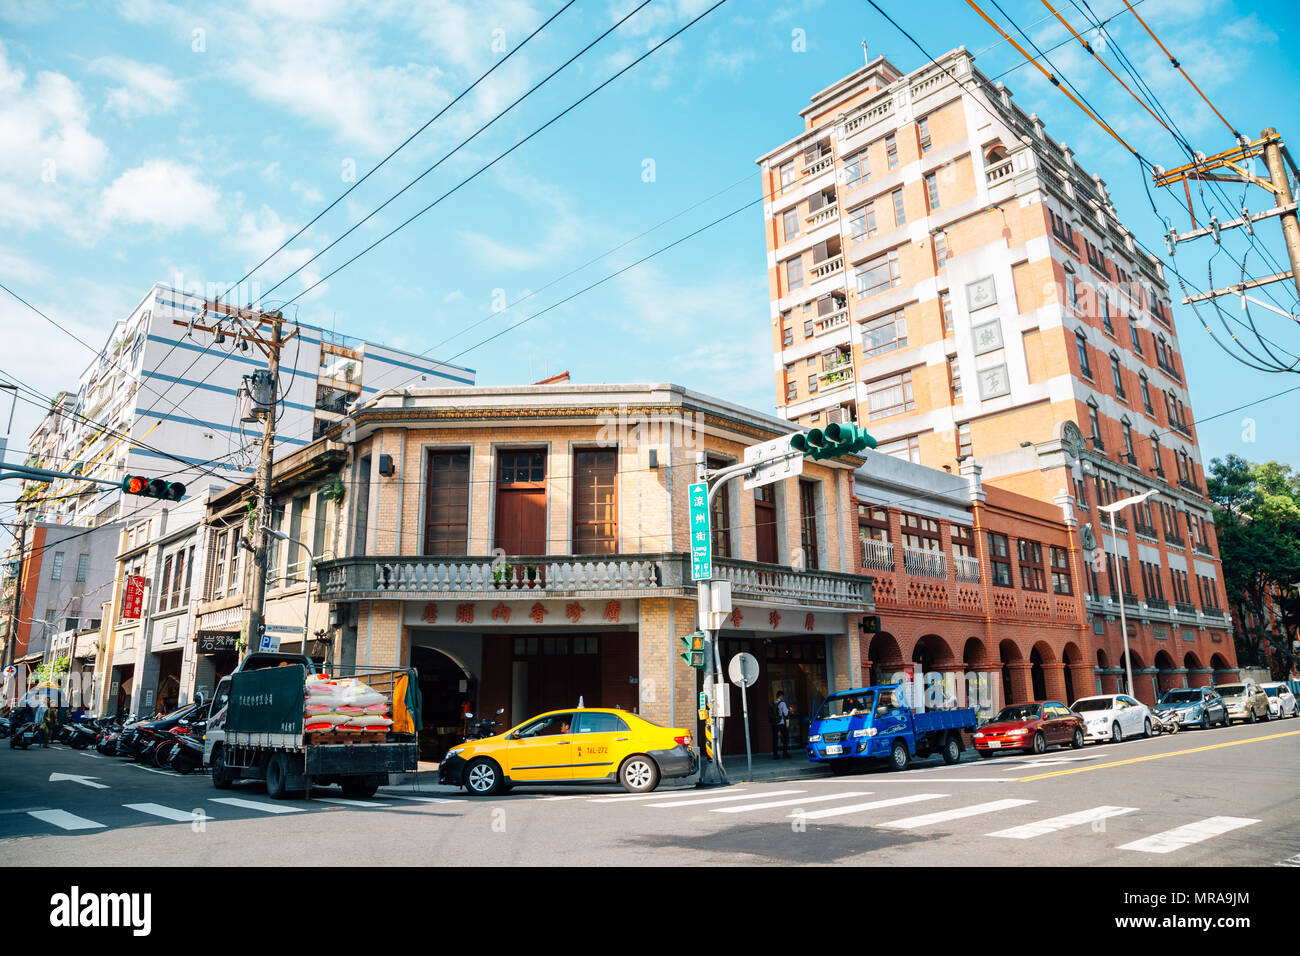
{"points": [[1111, 509], [311, 562]]}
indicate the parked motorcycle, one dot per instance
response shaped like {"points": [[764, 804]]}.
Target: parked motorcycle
{"points": [[25, 736], [484, 727], [186, 754], [1165, 723]]}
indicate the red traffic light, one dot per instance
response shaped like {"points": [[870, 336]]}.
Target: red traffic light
{"points": [[153, 488]]}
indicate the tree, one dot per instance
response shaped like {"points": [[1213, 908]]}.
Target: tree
{"points": [[1257, 517]]}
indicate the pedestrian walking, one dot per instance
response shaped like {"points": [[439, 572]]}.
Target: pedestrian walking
{"points": [[779, 717], [42, 722]]}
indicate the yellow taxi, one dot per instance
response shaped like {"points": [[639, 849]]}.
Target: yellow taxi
{"points": [[586, 745]]}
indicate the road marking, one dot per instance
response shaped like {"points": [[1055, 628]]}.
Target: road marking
{"points": [[168, 813], [1052, 824], [65, 820], [943, 816], [1180, 837], [788, 803], [656, 796], [1174, 753], [1289, 861], [402, 796], [859, 807], [94, 756], [165, 773], [84, 781], [344, 801], [571, 796], [727, 799], [256, 805], [1050, 761]]}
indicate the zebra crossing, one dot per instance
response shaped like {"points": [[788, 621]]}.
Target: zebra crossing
{"points": [[847, 804]]}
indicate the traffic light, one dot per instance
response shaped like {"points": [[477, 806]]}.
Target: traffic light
{"points": [[694, 655], [832, 441], [153, 488]]}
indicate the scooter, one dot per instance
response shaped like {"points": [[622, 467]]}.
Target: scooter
{"points": [[186, 755], [483, 727], [25, 736], [1166, 723]]}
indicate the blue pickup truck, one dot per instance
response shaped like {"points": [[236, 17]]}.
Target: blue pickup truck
{"points": [[875, 723]]}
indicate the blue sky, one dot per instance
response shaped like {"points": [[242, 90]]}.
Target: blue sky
{"points": [[152, 141]]}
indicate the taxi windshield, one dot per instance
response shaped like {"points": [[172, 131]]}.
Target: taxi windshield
{"points": [[846, 705]]}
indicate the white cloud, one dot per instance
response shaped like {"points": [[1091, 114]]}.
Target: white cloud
{"points": [[164, 195], [562, 231], [146, 88]]}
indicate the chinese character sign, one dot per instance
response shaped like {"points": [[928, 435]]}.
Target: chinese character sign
{"points": [[133, 599], [701, 539]]}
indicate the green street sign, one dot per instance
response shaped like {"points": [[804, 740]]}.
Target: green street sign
{"points": [[701, 534]]}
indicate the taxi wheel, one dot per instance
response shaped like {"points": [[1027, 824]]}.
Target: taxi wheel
{"points": [[1077, 742], [483, 778], [639, 774]]}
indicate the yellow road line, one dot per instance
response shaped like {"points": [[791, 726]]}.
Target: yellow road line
{"points": [[1176, 753]]}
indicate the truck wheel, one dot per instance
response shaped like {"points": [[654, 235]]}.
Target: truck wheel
{"points": [[899, 758], [359, 788], [222, 777], [277, 772], [951, 750], [639, 774], [483, 778]]}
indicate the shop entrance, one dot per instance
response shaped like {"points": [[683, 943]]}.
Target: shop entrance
{"points": [[446, 692], [168, 690], [795, 665], [124, 677]]}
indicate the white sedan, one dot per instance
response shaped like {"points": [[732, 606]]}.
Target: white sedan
{"points": [[1281, 702], [1113, 717]]}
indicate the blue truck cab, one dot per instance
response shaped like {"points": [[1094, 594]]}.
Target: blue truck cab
{"points": [[876, 723]]}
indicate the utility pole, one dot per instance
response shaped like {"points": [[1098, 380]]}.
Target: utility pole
{"points": [[12, 636], [1233, 166], [266, 331]]}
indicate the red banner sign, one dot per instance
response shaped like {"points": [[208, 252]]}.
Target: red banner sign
{"points": [[133, 600]]}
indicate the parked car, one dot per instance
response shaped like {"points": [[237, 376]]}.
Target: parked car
{"points": [[1030, 727], [1113, 717], [1281, 702], [572, 746], [1194, 706], [1246, 701]]}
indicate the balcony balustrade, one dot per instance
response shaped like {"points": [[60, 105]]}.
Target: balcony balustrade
{"points": [[878, 555], [930, 564]]}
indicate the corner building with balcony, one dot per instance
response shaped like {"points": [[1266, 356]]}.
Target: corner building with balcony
{"points": [[525, 548], [947, 276]]}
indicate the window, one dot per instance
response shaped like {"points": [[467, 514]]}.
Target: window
{"points": [[1030, 554], [999, 559], [876, 275], [891, 151], [1115, 375], [1061, 229], [595, 502], [273, 546], [83, 566], [446, 512], [163, 583], [873, 526], [808, 524], [787, 337], [1133, 333], [945, 304], [790, 224], [932, 190], [1071, 289], [791, 391], [923, 134], [890, 395], [900, 213], [56, 572], [217, 566], [1094, 422], [1105, 315], [1060, 559], [1096, 259], [595, 723], [1146, 394], [793, 273], [862, 221], [1128, 442], [954, 377], [808, 329], [180, 579], [919, 532], [812, 384], [857, 169], [884, 333], [1081, 345], [940, 251], [909, 449], [786, 172], [964, 446]]}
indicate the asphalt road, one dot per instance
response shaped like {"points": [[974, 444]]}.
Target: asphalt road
{"points": [[1224, 797]]}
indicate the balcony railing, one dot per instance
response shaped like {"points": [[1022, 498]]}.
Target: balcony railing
{"points": [[822, 216], [930, 564], [1160, 604], [624, 575], [878, 555], [819, 165], [1213, 612], [831, 322], [827, 268], [837, 375], [999, 172], [966, 568], [1182, 607]]}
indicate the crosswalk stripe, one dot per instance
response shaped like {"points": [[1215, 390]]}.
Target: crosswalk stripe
{"points": [[256, 805], [1289, 861], [167, 813], [344, 801], [1064, 822], [943, 816], [622, 798], [403, 796], [65, 820], [727, 799], [860, 807], [1179, 837], [788, 803]]}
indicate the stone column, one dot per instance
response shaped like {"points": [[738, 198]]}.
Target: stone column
{"points": [[1054, 680], [1022, 684]]}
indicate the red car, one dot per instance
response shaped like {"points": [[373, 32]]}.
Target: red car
{"points": [[1031, 727]]}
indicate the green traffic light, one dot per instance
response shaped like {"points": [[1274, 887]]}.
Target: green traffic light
{"points": [[835, 440]]}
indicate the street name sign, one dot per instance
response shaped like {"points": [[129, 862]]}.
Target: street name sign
{"points": [[701, 533]]}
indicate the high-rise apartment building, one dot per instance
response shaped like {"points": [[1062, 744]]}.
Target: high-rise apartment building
{"points": [[951, 278], [163, 399]]}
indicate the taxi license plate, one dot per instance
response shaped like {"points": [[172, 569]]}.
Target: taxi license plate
{"points": [[833, 749], [995, 745]]}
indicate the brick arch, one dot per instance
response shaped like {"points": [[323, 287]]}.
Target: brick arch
{"points": [[1103, 659], [1220, 663], [1191, 661], [884, 649], [974, 652], [1078, 675], [934, 650], [1164, 662], [1016, 685]]}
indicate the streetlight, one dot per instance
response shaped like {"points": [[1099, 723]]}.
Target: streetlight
{"points": [[311, 561], [1111, 509]]}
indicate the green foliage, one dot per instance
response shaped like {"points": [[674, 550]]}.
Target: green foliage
{"points": [[1257, 519], [50, 671]]}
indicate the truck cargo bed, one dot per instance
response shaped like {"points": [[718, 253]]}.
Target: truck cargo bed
{"points": [[328, 759]]}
